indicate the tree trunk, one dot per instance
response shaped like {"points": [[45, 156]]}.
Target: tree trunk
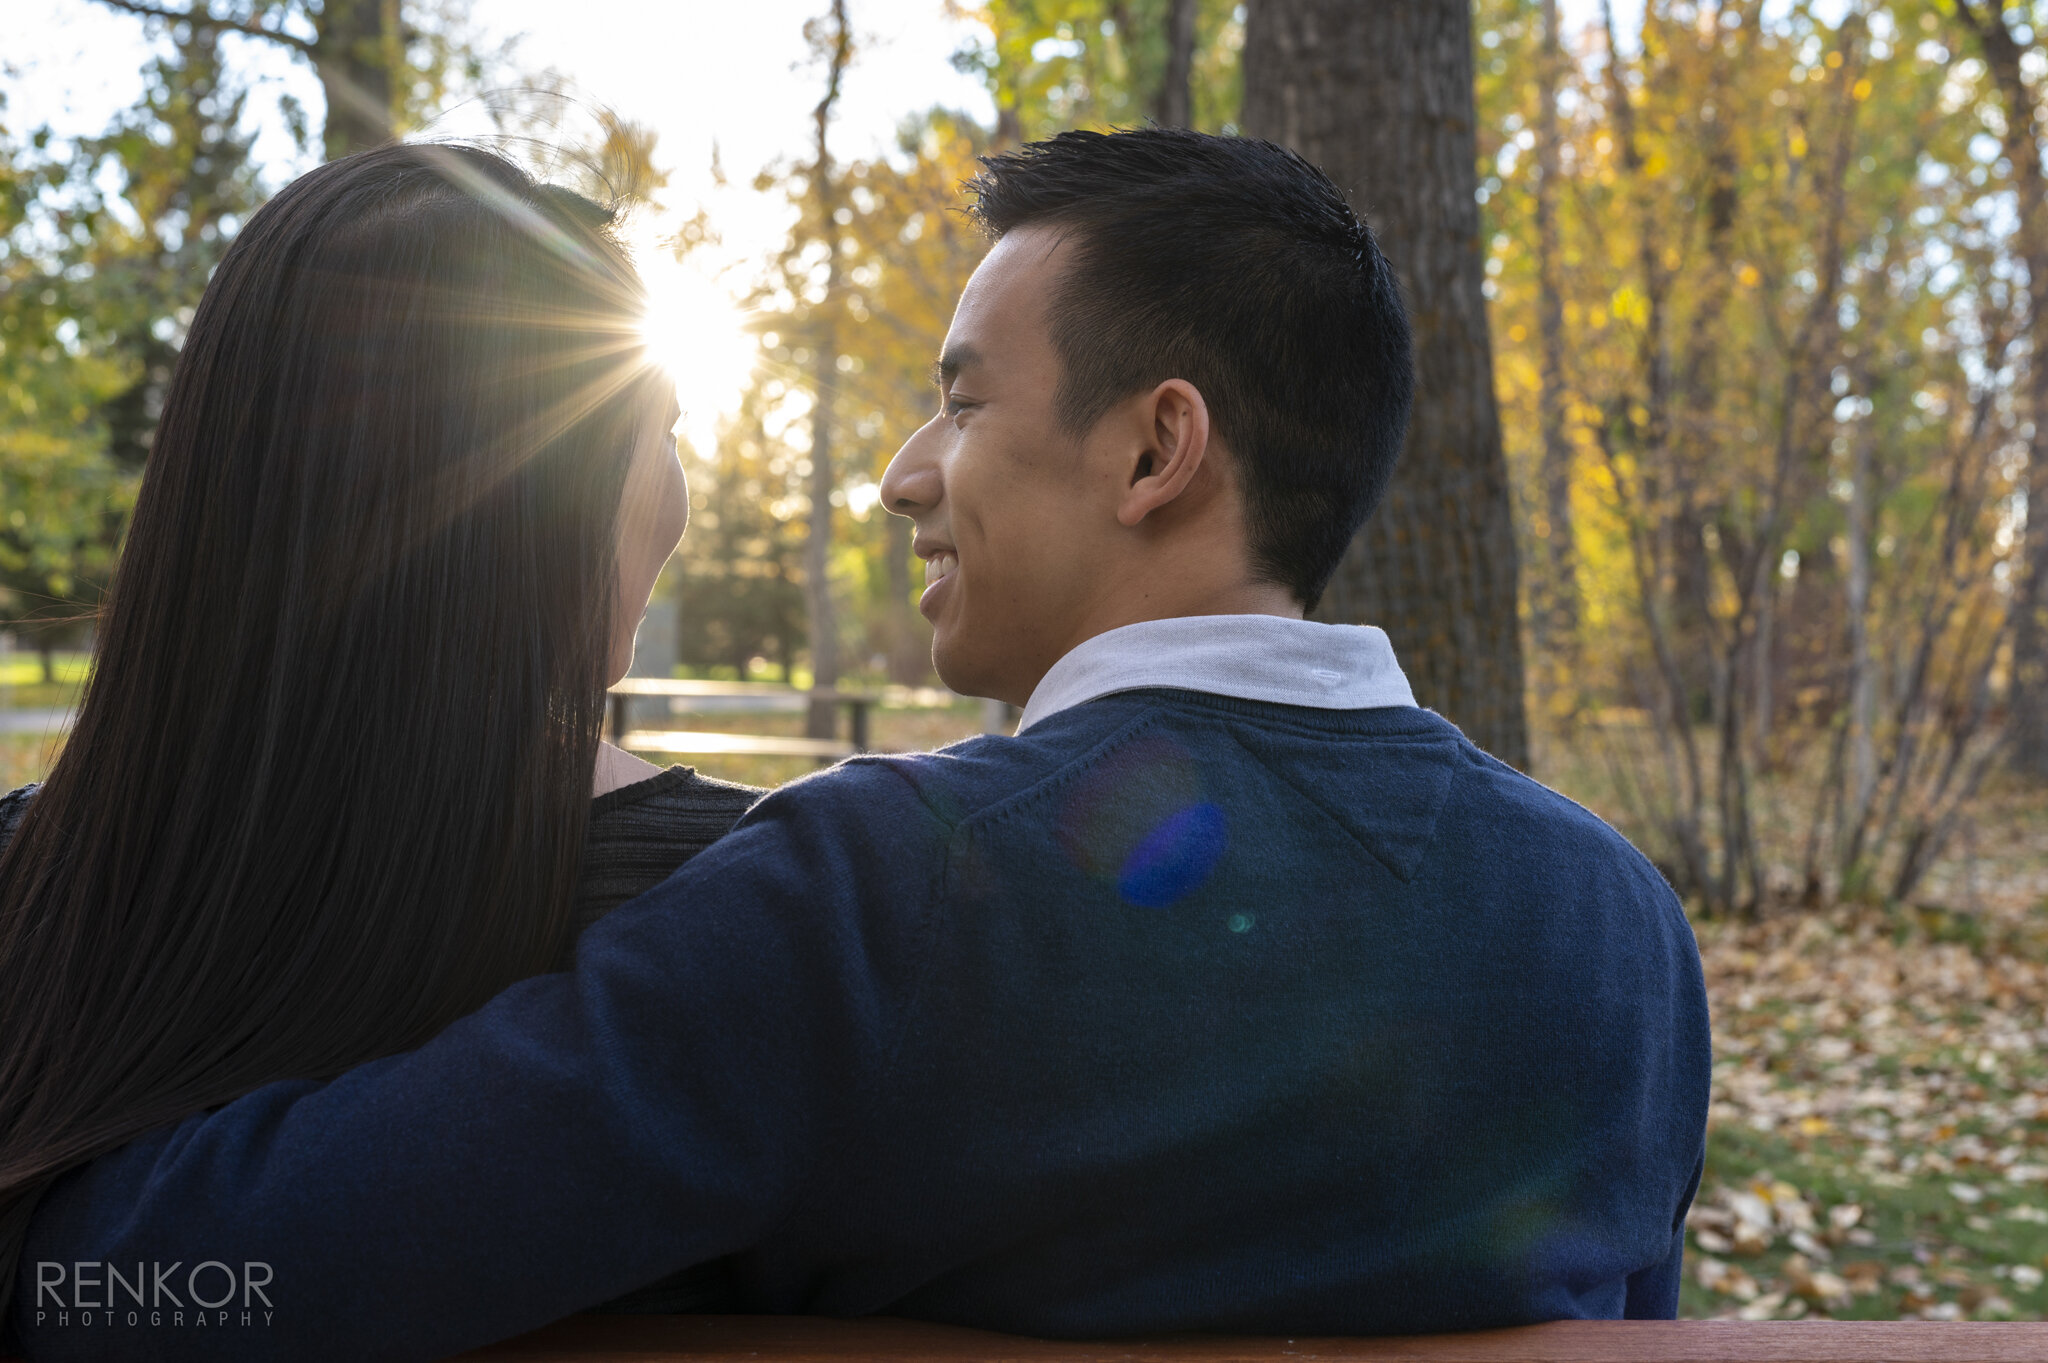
{"points": [[358, 45], [1696, 446], [1175, 107], [909, 658], [1764, 674], [835, 45], [1380, 96], [355, 48], [824, 620], [2005, 56], [1862, 674], [1557, 622]]}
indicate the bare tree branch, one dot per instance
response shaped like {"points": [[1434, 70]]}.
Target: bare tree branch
{"points": [[200, 15]]}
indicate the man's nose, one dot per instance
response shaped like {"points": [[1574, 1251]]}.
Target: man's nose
{"points": [[912, 484]]}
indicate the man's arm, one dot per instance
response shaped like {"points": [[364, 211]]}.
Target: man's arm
{"points": [[585, 1133], [1653, 1291]]}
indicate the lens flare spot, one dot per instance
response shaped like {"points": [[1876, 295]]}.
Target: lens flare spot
{"points": [[1173, 860], [1241, 922]]}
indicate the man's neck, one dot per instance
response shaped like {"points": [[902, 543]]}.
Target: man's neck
{"points": [[1243, 598]]}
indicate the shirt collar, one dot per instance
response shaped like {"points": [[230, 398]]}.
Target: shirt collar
{"points": [[1246, 657]]}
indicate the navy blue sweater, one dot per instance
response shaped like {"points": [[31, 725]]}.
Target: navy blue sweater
{"points": [[1177, 1012]]}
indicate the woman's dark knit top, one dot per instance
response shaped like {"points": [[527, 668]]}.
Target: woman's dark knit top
{"points": [[637, 836]]}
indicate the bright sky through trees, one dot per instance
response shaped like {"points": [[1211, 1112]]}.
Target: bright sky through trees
{"points": [[707, 75]]}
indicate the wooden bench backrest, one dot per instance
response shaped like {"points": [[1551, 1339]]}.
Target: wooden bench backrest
{"points": [[812, 1339]]}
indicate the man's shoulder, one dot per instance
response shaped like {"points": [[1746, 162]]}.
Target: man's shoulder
{"points": [[1407, 782], [949, 786], [1534, 837], [1432, 803]]}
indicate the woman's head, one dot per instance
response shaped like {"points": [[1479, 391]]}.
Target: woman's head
{"points": [[432, 365], [326, 788]]}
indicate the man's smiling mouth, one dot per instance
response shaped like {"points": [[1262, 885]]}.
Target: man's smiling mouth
{"points": [[940, 566]]}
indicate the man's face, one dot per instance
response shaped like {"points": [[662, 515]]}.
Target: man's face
{"points": [[1015, 517]]}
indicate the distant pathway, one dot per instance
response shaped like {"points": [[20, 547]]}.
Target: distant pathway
{"points": [[34, 721]]}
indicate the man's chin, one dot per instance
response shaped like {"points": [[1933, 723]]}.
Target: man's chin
{"points": [[953, 670], [964, 672]]}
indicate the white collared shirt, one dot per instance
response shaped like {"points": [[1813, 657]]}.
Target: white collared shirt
{"points": [[1245, 657]]}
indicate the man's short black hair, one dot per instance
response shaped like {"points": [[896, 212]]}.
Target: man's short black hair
{"points": [[1236, 265]]}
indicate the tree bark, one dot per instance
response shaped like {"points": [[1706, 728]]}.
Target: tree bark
{"points": [[835, 46], [1862, 672], [1558, 620], [1175, 107], [1380, 96], [356, 45], [909, 655], [2004, 55]]}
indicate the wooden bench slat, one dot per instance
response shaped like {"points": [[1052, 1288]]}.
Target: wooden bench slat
{"points": [[817, 1339], [703, 743], [814, 1339]]}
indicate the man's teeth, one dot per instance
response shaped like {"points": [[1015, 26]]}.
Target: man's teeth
{"points": [[938, 565]]}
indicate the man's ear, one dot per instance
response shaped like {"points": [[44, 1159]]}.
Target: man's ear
{"points": [[1175, 423]]}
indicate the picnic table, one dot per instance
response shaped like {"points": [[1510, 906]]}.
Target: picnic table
{"points": [[816, 1339]]}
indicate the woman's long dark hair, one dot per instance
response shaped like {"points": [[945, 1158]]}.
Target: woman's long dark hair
{"points": [[328, 782]]}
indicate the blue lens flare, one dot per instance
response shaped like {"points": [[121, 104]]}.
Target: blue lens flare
{"points": [[1143, 821], [1173, 860]]}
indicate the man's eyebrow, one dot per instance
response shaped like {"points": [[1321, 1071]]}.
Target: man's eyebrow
{"points": [[949, 365]]}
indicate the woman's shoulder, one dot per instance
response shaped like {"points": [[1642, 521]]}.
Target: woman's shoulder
{"points": [[676, 790], [640, 833], [12, 806]]}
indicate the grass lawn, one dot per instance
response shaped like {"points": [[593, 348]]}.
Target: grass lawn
{"points": [[1877, 1144], [22, 685], [24, 758]]}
